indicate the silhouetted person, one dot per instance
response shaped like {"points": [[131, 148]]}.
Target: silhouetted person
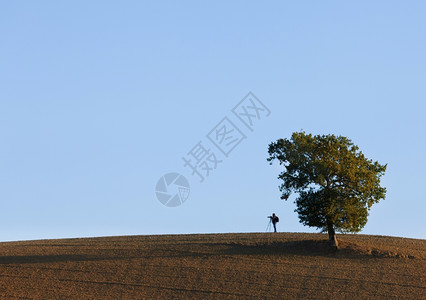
{"points": [[274, 220]]}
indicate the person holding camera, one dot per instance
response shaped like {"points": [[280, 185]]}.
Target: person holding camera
{"points": [[274, 220]]}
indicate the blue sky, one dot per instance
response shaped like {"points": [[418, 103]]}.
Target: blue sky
{"points": [[99, 99]]}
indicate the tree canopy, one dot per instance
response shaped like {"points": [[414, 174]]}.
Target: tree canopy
{"points": [[336, 184]]}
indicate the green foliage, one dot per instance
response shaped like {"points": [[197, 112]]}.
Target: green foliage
{"points": [[336, 184]]}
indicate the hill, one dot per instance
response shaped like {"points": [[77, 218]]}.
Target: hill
{"points": [[247, 265]]}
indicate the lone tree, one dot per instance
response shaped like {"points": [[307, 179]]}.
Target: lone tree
{"points": [[335, 182]]}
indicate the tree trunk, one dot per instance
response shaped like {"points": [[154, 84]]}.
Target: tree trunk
{"points": [[332, 240]]}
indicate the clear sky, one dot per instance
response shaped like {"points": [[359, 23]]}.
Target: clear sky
{"points": [[100, 99]]}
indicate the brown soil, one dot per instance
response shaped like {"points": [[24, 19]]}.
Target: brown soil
{"points": [[249, 265]]}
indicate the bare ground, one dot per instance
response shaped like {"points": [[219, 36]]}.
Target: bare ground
{"points": [[248, 265]]}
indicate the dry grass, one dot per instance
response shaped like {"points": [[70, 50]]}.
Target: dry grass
{"points": [[252, 265]]}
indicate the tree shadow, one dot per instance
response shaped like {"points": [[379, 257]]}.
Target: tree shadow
{"points": [[307, 247], [302, 248], [311, 248]]}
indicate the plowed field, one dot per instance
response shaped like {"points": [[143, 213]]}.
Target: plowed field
{"points": [[248, 265]]}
